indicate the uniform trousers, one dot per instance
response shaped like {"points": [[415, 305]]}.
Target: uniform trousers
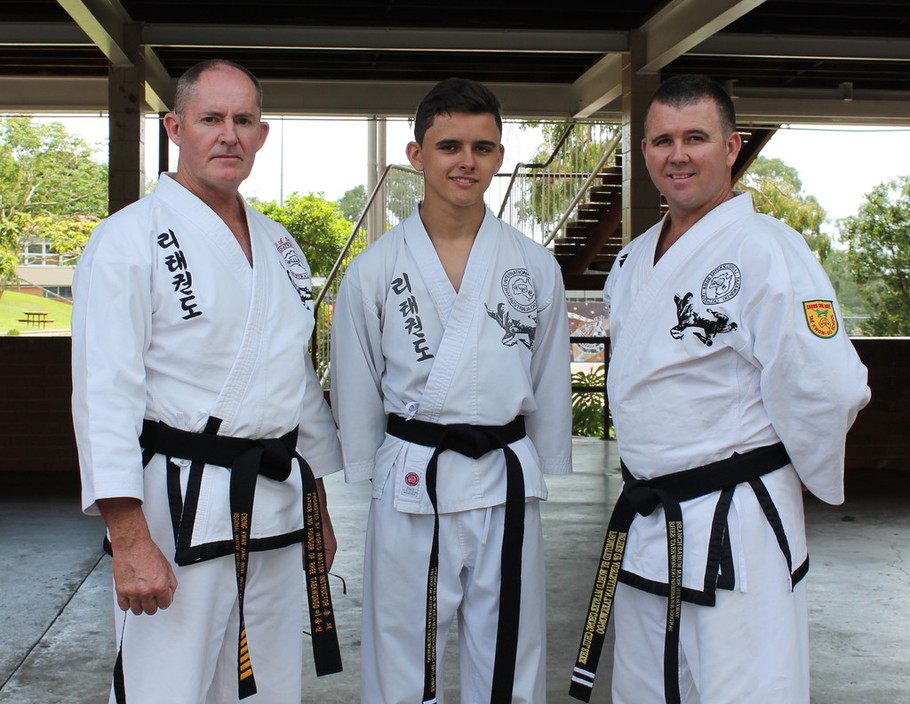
{"points": [[751, 647], [394, 603], [187, 653]]}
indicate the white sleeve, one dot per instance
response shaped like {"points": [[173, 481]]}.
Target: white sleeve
{"points": [[812, 385], [550, 426], [111, 327], [356, 371], [317, 437]]}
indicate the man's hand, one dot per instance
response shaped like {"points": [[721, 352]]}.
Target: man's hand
{"points": [[143, 576], [329, 542]]}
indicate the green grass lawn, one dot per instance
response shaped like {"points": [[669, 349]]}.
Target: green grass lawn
{"points": [[13, 305]]}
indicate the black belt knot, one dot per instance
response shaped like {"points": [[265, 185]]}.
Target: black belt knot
{"points": [[276, 458], [643, 497], [461, 438]]}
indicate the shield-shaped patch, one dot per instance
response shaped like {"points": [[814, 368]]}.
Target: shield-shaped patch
{"points": [[821, 318]]}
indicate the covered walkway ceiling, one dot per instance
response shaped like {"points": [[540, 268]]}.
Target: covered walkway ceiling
{"points": [[783, 60]]}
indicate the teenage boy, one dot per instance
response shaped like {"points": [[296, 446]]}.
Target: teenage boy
{"points": [[451, 387]]}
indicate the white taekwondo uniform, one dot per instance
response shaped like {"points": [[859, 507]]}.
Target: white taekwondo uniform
{"points": [[172, 324], [730, 342], [405, 342]]}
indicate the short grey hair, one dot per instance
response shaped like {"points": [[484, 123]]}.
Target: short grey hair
{"points": [[186, 84]]}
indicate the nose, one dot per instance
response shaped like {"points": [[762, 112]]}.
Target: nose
{"points": [[678, 153], [468, 161], [228, 132]]}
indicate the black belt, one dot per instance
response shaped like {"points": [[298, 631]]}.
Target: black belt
{"points": [[475, 441], [642, 496], [247, 459]]}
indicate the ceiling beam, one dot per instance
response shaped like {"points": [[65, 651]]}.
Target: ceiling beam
{"points": [[804, 47], [42, 34], [400, 98], [104, 22], [683, 24], [598, 86], [182, 36]]}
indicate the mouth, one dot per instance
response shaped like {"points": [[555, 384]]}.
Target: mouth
{"points": [[463, 180], [680, 177]]}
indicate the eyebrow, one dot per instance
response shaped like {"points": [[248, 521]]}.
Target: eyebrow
{"points": [[219, 113], [687, 133], [480, 142]]}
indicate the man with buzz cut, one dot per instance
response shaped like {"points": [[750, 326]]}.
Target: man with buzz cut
{"points": [[732, 385], [451, 388], [202, 428]]}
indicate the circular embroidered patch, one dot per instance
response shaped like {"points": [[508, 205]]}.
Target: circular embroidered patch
{"points": [[412, 479], [516, 284], [721, 285]]}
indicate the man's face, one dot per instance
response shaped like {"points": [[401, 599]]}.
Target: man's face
{"points": [[219, 132], [459, 156], [689, 157]]}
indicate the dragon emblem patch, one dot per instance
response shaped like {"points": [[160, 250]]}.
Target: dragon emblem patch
{"points": [[705, 329], [821, 318], [721, 285], [516, 330]]}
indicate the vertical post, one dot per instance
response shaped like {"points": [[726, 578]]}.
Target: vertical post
{"points": [[376, 150], [164, 144], [126, 101], [640, 199]]}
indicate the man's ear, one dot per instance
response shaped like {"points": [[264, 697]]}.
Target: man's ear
{"points": [[172, 127], [734, 144], [263, 133], [415, 155]]}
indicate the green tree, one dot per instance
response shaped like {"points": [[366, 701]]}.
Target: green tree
{"points": [[878, 238], [353, 202], [50, 188], [318, 225], [778, 191]]}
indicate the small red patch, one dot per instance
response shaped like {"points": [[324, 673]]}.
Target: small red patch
{"points": [[412, 479]]}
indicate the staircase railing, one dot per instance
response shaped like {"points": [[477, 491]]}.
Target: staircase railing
{"points": [[544, 194], [324, 304], [583, 191]]}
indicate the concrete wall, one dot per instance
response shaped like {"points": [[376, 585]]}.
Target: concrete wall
{"points": [[37, 447]]}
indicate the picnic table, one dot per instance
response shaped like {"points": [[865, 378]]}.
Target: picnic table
{"points": [[35, 319]]}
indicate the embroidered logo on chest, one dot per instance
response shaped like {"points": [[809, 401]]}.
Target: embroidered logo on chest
{"points": [[704, 328], [519, 290], [721, 285]]}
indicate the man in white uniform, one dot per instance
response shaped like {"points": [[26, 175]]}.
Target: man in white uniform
{"points": [[193, 393], [732, 384], [451, 388]]}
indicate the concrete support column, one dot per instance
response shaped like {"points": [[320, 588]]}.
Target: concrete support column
{"points": [[126, 105], [376, 151], [640, 199]]}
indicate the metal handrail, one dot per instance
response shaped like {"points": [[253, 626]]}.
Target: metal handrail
{"points": [[543, 165], [347, 245], [608, 152]]}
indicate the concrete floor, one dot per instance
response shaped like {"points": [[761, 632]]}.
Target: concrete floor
{"points": [[56, 623]]}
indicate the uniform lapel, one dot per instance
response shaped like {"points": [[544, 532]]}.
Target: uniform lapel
{"points": [[456, 310]]}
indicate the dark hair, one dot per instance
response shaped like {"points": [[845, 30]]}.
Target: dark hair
{"points": [[186, 84], [689, 89], [455, 95]]}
